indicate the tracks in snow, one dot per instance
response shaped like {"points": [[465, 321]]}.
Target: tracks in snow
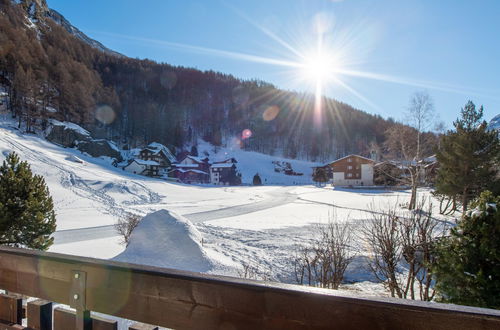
{"points": [[278, 197]]}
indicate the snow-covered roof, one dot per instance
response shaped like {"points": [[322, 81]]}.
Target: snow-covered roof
{"points": [[223, 165], [156, 147], [188, 170], [146, 162], [196, 159], [227, 160], [185, 165]]}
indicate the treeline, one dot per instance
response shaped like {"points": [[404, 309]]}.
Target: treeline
{"points": [[134, 102]]}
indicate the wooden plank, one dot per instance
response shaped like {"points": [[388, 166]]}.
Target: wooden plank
{"points": [[39, 314], [11, 326], [65, 319], [100, 323], [142, 326], [186, 300], [11, 308]]}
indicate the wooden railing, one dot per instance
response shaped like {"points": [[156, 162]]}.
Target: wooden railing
{"points": [[185, 300]]}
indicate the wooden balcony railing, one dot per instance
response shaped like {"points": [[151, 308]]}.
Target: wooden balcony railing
{"points": [[185, 300]]}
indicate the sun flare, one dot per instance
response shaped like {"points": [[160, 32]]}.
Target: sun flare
{"points": [[319, 68]]}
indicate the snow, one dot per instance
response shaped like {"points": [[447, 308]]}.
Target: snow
{"points": [[75, 159], [166, 239], [251, 163], [157, 147], [222, 165], [69, 125], [495, 123], [146, 162], [186, 165], [258, 225]]}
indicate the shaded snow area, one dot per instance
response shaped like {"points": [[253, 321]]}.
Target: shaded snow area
{"points": [[251, 163], [166, 239]]}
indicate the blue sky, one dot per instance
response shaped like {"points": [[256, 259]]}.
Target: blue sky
{"points": [[385, 49]]}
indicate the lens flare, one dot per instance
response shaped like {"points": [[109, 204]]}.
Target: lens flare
{"points": [[246, 134], [271, 112], [105, 114]]}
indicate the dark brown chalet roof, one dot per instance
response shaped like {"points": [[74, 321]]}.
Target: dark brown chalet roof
{"points": [[357, 156]]}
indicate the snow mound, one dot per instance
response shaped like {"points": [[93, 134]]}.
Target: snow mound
{"points": [[166, 239], [75, 159]]}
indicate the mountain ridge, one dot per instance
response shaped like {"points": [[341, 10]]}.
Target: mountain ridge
{"points": [[39, 10], [135, 102]]}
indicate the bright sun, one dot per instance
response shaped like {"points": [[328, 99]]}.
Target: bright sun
{"points": [[319, 68]]}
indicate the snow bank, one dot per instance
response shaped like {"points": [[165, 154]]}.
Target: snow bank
{"points": [[166, 239], [69, 125]]}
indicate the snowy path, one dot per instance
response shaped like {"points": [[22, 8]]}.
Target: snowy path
{"points": [[278, 197]]}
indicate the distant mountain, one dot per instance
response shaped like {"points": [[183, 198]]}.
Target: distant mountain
{"points": [[495, 123], [59, 19], [51, 70], [37, 10]]}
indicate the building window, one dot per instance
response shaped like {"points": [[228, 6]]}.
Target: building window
{"points": [[349, 167], [349, 175], [349, 160]]}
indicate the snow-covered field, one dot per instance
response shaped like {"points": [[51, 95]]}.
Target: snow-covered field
{"points": [[245, 225]]}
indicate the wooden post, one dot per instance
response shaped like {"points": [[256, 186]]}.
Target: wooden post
{"points": [[39, 315], [65, 320], [11, 308]]}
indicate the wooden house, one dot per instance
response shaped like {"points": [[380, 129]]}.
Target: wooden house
{"points": [[191, 169], [224, 173], [143, 167], [159, 153], [352, 170]]}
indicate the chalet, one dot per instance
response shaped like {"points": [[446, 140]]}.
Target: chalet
{"points": [[352, 170], [224, 172], [143, 167], [159, 153], [191, 169]]}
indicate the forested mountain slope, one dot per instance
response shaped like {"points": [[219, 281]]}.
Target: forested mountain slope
{"points": [[49, 72]]}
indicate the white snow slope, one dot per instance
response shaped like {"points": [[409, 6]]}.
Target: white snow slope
{"points": [[246, 225]]}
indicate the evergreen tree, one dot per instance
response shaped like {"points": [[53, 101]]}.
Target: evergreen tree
{"points": [[467, 267], [320, 176], [468, 157], [194, 151], [27, 215], [256, 180]]}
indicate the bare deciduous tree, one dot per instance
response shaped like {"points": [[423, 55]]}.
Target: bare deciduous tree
{"points": [[254, 271], [324, 262], [407, 143], [401, 244], [126, 225]]}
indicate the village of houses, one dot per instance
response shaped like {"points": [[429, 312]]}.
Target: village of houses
{"points": [[156, 160]]}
